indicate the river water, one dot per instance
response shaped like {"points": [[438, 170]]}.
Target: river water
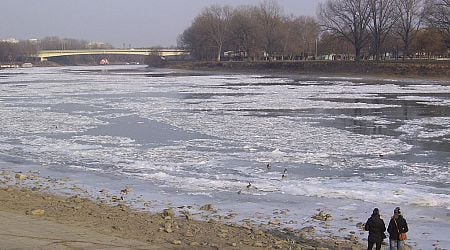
{"points": [[182, 138]]}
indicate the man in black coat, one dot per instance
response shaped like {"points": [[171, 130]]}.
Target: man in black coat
{"points": [[376, 227]]}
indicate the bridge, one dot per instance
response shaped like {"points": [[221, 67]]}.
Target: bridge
{"points": [[45, 54]]}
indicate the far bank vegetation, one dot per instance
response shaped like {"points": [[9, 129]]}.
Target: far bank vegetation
{"points": [[13, 51], [342, 30]]}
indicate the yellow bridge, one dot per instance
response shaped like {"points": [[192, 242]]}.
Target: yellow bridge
{"points": [[45, 54]]}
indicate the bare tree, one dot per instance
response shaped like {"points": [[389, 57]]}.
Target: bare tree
{"points": [[217, 21], [289, 42], [330, 43], [17, 52], [310, 30], [197, 39], [243, 36], [347, 18], [429, 43], [301, 34], [383, 19], [437, 15], [56, 43], [269, 19], [409, 13], [208, 32]]}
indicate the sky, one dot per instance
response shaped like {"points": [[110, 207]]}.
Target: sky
{"points": [[134, 23]]}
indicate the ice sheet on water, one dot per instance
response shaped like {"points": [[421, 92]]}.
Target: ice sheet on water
{"points": [[250, 119], [32, 120], [341, 78], [351, 96], [429, 127], [60, 152], [110, 140], [427, 100], [371, 118], [368, 191]]}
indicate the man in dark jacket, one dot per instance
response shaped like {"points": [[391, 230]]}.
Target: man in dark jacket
{"points": [[397, 225], [376, 227]]}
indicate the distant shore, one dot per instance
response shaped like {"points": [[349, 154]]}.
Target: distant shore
{"points": [[415, 68], [437, 69], [107, 222]]}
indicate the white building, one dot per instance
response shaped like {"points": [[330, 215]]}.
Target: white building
{"points": [[10, 40]]}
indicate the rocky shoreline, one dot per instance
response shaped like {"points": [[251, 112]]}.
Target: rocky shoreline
{"points": [[33, 196]]}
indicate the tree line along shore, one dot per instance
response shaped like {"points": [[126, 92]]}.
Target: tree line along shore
{"points": [[343, 29]]}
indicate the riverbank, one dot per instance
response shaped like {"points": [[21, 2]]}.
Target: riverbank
{"points": [[34, 217], [404, 69]]}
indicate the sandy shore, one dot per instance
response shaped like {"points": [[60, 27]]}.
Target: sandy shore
{"points": [[33, 217]]}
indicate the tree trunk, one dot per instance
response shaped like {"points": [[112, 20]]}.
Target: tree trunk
{"points": [[357, 53], [219, 53], [377, 49], [405, 51]]}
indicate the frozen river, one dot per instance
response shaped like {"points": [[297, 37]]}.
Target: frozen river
{"points": [[348, 144]]}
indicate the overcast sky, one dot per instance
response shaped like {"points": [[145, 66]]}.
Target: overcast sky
{"points": [[139, 23]]}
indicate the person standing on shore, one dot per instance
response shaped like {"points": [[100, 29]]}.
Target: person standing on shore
{"points": [[397, 226], [376, 227]]}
